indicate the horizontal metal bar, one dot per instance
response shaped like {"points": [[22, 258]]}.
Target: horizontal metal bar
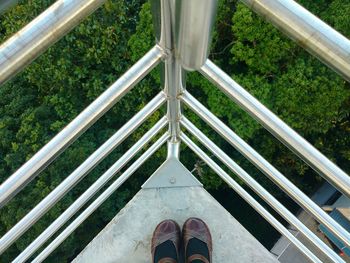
{"points": [[6, 4], [249, 199], [88, 211], [270, 171], [78, 174], [278, 128], [82, 122], [91, 191], [308, 31], [258, 189], [55, 22]]}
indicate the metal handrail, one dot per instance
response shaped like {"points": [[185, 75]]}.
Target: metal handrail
{"points": [[248, 198], [88, 211], [28, 43], [91, 191], [321, 40], [259, 190], [173, 79], [320, 163], [78, 174], [308, 31], [75, 128], [263, 165]]}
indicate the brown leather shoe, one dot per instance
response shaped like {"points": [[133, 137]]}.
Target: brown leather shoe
{"points": [[167, 230], [196, 228]]}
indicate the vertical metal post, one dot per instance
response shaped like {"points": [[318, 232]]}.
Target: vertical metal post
{"points": [[173, 88], [194, 33], [173, 80]]}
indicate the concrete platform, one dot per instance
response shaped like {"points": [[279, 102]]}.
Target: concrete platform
{"points": [[127, 237]]}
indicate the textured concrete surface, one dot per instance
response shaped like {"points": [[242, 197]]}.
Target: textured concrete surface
{"points": [[127, 237], [171, 173]]}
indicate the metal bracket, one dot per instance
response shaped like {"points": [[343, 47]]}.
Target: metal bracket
{"points": [[171, 173]]}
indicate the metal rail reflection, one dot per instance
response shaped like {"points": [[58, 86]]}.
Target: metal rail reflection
{"points": [[78, 174], [327, 169], [82, 122], [27, 44], [259, 190], [249, 199], [308, 31], [268, 169], [67, 231]]}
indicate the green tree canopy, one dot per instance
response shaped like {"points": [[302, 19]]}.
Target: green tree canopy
{"points": [[49, 93]]}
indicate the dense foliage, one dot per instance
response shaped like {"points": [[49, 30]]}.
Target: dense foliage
{"points": [[49, 93]]}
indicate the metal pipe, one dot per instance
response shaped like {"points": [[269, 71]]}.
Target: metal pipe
{"points": [[258, 189], [78, 174], [263, 165], [278, 128], [173, 88], [249, 199], [82, 122], [196, 19], [173, 79], [27, 44], [163, 14], [88, 211], [90, 192], [308, 31], [173, 149], [6, 4]]}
